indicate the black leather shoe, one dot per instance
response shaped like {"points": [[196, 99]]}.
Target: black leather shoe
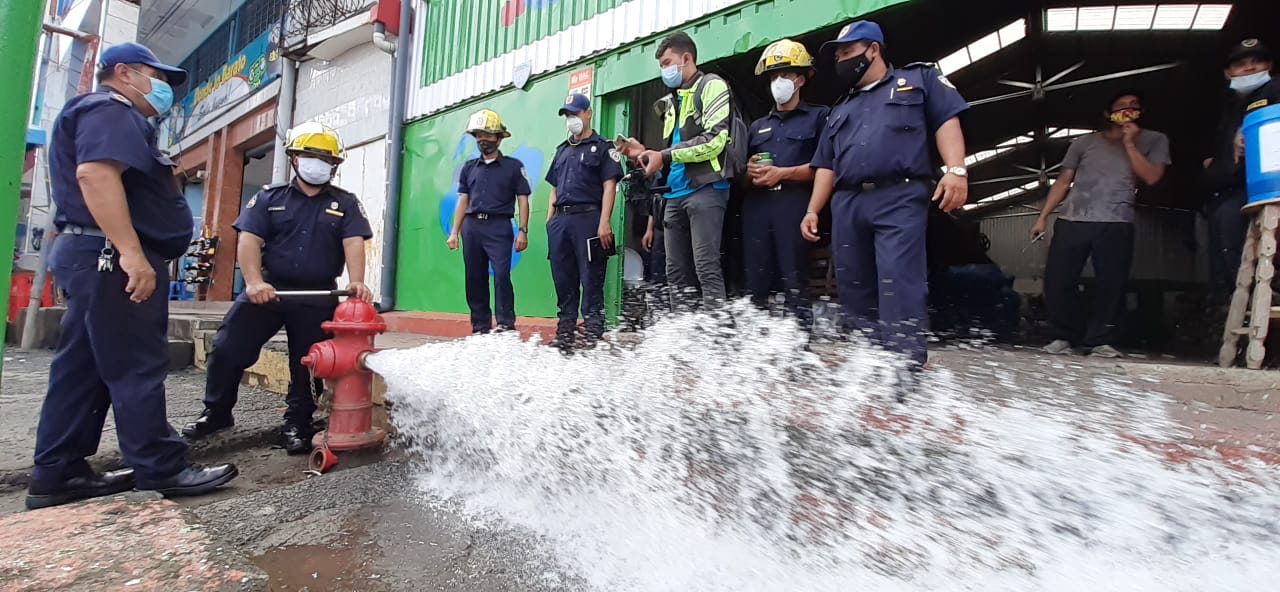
{"points": [[42, 494], [193, 480], [296, 440], [206, 424]]}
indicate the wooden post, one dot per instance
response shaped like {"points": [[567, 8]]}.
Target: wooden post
{"points": [[1260, 321], [1233, 329]]}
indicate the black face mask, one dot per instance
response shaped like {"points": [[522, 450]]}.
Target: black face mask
{"points": [[487, 147], [851, 71]]}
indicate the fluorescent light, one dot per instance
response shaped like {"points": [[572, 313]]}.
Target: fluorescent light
{"points": [[1097, 18], [1069, 133], [1060, 19], [1014, 32], [989, 44], [1016, 191], [984, 47], [1135, 18], [1212, 17], [1139, 17], [955, 61], [1175, 17]]}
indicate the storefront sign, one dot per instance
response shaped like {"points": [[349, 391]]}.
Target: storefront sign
{"points": [[253, 68], [580, 82]]}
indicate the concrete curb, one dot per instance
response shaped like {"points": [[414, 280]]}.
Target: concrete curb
{"points": [[220, 444]]}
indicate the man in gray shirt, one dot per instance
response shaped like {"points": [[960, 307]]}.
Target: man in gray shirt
{"points": [[1099, 185]]}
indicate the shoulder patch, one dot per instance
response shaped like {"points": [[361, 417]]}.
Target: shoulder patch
{"points": [[947, 83], [615, 155], [253, 201], [524, 174]]}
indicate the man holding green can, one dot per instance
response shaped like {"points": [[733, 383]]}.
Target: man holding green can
{"points": [[782, 144]]}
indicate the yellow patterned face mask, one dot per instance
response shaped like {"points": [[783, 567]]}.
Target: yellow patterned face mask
{"points": [[1123, 116]]}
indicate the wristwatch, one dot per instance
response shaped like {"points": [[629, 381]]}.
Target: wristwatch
{"points": [[524, 230], [957, 171]]}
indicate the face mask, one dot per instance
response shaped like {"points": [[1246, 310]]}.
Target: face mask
{"points": [[487, 147], [783, 89], [1123, 116], [1250, 83], [314, 171], [851, 71], [574, 125], [161, 96], [672, 77]]}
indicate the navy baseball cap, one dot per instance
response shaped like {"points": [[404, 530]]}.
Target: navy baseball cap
{"points": [[575, 104], [1247, 48], [855, 31], [136, 53]]}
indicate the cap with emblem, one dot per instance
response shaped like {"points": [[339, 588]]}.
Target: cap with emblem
{"points": [[136, 53], [855, 31], [1248, 48], [576, 103]]}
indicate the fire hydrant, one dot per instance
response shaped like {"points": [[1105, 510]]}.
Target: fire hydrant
{"points": [[354, 325]]}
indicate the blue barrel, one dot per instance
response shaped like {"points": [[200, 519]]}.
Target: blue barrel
{"points": [[1262, 156]]}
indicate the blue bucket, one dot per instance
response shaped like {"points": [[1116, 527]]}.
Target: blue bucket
{"points": [[1262, 156]]}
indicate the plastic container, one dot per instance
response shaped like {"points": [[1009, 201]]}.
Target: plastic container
{"points": [[1262, 156]]}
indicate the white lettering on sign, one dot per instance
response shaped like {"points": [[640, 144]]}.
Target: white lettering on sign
{"points": [[580, 82], [1269, 148]]}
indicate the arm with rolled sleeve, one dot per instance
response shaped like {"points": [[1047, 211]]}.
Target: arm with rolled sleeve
{"points": [[716, 110]]}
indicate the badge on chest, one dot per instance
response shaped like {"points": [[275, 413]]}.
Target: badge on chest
{"points": [[333, 210]]}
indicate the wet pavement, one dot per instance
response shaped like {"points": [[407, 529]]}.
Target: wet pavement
{"points": [[368, 526]]}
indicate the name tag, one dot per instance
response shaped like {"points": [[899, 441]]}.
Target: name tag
{"points": [[334, 213], [765, 130], [1256, 104], [275, 209]]}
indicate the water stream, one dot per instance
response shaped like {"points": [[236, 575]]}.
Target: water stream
{"points": [[715, 459]]}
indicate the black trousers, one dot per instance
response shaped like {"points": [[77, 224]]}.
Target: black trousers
{"points": [[1110, 246]]}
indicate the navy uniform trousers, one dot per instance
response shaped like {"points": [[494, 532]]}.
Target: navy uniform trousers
{"points": [[112, 353], [878, 243], [579, 283], [775, 249], [236, 346], [487, 244]]}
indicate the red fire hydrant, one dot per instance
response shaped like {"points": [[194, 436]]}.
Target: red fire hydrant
{"points": [[354, 325]]}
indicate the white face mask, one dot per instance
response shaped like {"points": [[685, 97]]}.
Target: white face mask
{"points": [[1250, 83], [783, 89], [574, 124], [314, 171]]}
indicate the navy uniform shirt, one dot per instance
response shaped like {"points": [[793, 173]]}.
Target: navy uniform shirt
{"points": [[492, 187], [303, 234], [104, 127], [578, 172], [885, 131], [791, 137], [1224, 172]]}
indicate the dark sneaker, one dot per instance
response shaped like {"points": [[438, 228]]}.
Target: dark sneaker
{"points": [[208, 423], [295, 439], [193, 480], [43, 494]]}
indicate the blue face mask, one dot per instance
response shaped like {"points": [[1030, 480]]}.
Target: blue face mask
{"points": [[161, 96], [1250, 83], [672, 77]]}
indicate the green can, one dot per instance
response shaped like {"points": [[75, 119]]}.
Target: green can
{"points": [[765, 158]]}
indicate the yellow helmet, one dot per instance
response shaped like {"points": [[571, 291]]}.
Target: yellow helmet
{"points": [[313, 138], [782, 55], [487, 121]]}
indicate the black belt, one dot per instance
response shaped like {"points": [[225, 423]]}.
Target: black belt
{"points": [[577, 209], [78, 230], [874, 184], [485, 216]]}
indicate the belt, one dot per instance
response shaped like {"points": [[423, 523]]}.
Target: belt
{"points": [[577, 209], [485, 216], [78, 230], [874, 184]]}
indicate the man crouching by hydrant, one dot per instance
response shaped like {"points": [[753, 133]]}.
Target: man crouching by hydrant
{"points": [[293, 236]]}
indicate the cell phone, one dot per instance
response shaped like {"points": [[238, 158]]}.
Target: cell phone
{"points": [[620, 142], [596, 250]]}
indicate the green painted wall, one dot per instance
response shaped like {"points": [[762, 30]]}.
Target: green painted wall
{"points": [[731, 32], [431, 276], [464, 33]]}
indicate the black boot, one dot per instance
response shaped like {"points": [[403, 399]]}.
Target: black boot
{"points": [[43, 494], [208, 423], [295, 439]]}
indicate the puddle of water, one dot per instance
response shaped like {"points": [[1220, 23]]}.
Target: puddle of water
{"points": [[311, 568], [731, 460]]}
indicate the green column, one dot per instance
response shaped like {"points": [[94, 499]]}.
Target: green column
{"points": [[19, 30]]}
